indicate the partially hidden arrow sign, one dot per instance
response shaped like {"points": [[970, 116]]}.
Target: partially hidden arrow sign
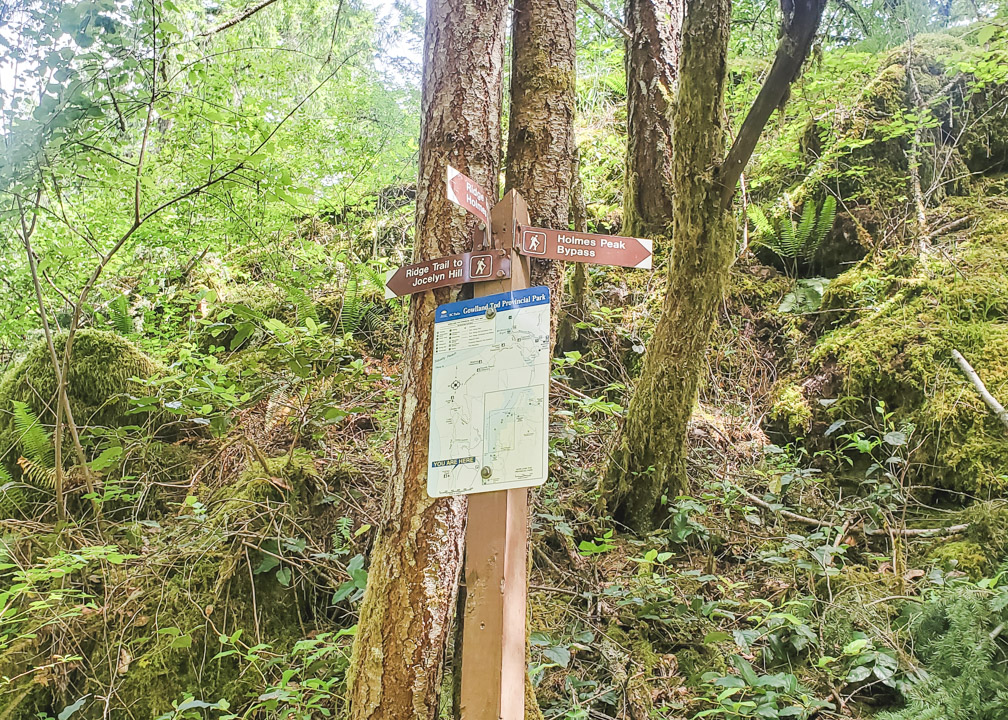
{"points": [[586, 247], [448, 270], [467, 193]]}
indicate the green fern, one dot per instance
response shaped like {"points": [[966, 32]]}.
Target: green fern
{"points": [[12, 500], [764, 228], [35, 442], [121, 318], [359, 311], [824, 223], [792, 241], [304, 305]]}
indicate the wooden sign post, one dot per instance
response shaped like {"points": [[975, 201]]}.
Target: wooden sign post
{"points": [[496, 564]]}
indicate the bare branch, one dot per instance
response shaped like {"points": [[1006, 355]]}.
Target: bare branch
{"points": [[608, 18], [249, 12], [971, 374], [797, 32]]}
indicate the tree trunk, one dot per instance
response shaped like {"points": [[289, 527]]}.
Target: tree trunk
{"points": [[650, 459], [540, 152], [406, 614], [652, 66]]}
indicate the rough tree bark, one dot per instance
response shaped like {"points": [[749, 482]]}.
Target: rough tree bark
{"points": [[540, 152], [650, 458], [409, 602], [652, 66]]}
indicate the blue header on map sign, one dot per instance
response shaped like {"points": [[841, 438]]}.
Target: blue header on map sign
{"points": [[504, 301]]}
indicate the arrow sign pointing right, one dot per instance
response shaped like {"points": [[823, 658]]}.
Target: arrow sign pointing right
{"points": [[586, 247]]}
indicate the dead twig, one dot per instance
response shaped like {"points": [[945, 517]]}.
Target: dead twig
{"points": [[971, 374]]}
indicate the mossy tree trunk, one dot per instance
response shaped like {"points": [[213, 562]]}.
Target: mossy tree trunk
{"points": [[407, 609], [540, 151], [650, 458], [652, 64]]}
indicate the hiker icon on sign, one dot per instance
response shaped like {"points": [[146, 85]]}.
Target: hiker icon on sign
{"points": [[480, 266], [534, 242]]}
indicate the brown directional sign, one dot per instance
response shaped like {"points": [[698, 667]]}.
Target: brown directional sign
{"points": [[467, 193], [585, 247], [448, 270]]}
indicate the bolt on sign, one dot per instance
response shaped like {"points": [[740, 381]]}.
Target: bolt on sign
{"points": [[448, 270], [490, 394], [467, 194], [586, 247]]}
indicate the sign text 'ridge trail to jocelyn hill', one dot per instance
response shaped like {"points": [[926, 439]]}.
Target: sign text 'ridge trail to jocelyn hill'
{"points": [[586, 247], [467, 193], [448, 270]]}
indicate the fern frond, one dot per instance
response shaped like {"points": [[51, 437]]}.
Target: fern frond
{"points": [[759, 220], [827, 214], [37, 475], [304, 305], [12, 500], [277, 408], [804, 230], [789, 246], [122, 319], [33, 438]]}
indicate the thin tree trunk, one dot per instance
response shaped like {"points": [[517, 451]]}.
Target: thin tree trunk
{"points": [[651, 456], [650, 459], [540, 152], [407, 609], [652, 66]]}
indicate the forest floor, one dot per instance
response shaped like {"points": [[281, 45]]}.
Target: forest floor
{"points": [[794, 578], [841, 549]]}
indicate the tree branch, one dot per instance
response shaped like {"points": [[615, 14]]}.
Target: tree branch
{"points": [[620, 27], [971, 374], [249, 12], [798, 29]]}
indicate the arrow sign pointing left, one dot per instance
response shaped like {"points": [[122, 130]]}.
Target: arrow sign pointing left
{"points": [[448, 270], [467, 193]]}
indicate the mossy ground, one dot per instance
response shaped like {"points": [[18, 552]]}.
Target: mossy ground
{"points": [[896, 341], [100, 382]]}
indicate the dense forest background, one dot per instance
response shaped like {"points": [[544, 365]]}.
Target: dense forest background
{"points": [[205, 197]]}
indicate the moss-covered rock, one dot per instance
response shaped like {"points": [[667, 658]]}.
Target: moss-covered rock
{"points": [[900, 328], [964, 556], [790, 410], [103, 375]]}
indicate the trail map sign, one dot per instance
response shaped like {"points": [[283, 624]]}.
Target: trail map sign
{"points": [[489, 418], [586, 247], [448, 270], [490, 394]]}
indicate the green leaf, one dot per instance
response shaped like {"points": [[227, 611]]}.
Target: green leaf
{"points": [[558, 654], [182, 642], [72, 708]]}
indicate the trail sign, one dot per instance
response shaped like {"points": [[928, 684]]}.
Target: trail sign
{"points": [[573, 246], [490, 394], [448, 270], [467, 193]]}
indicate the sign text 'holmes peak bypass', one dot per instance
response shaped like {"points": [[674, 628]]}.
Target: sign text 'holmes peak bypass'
{"points": [[586, 247]]}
